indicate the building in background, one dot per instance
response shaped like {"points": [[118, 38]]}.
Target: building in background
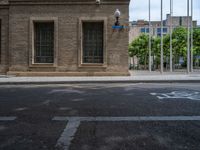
{"points": [[63, 37], [142, 26]]}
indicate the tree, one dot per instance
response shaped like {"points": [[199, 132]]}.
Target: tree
{"points": [[179, 44], [139, 48], [196, 42], [156, 50]]}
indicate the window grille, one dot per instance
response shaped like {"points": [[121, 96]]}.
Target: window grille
{"points": [[44, 42], [92, 42]]}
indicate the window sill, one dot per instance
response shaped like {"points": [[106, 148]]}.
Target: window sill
{"points": [[88, 65], [43, 65]]}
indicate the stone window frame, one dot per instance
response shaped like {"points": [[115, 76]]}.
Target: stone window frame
{"points": [[31, 41], [80, 41]]}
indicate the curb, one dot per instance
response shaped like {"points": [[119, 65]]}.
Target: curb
{"points": [[98, 81]]}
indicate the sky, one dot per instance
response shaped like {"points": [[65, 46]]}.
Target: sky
{"points": [[139, 9]]}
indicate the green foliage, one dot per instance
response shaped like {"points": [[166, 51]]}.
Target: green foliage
{"points": [[179, 43], [196, 37], [139, 46]]}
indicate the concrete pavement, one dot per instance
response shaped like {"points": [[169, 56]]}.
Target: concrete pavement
{"points": [[136, 77]]}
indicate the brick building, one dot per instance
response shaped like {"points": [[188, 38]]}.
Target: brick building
{"points": [[142, 26], [63, 37]]}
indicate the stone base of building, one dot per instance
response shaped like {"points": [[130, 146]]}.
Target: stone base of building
{"points": [[67, 74], [3, 69]]}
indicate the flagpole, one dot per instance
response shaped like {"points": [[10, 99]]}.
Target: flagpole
{"points": [[161, 45], [171, 65], [149, 35], [191, 59], [188, 38]]}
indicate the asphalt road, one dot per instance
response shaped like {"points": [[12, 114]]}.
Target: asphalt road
{"points": [[107, 110]]}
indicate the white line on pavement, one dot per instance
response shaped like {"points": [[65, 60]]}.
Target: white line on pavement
{"points": [[135, 118], [68, 134], [74, 122], [7, 118]]}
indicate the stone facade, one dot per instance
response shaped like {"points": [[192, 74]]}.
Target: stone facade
{"points": [[4, 59], [17, 50]]}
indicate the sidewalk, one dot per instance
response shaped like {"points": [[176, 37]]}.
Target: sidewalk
{"points": [[136, 77]]}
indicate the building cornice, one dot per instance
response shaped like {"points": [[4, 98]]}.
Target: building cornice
{"points": [[68, 2]]}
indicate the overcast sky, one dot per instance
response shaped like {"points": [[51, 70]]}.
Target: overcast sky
{"points": [[139, 9]]}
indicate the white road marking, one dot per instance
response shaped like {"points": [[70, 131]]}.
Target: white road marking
{"points": [[74, 122], [21, 109], [65, 108], [7, 118], [77, 100], [135, 118], [66, 91], [178, 95], [68, 134], [47, 102]]}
